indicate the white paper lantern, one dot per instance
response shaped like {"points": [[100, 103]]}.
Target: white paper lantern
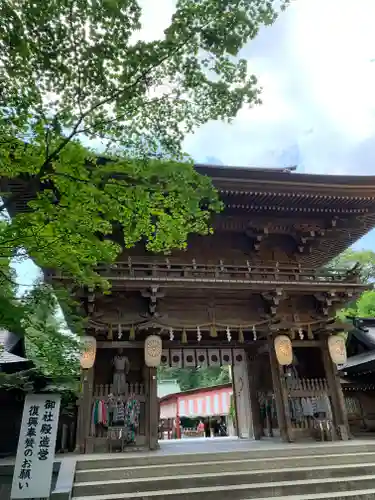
{"points": [[284, 350], [153, 351], [88, 353], [337, 349]]}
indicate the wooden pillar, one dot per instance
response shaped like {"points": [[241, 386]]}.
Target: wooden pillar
{"points": [[84, 411], [340, 416], [235, 405], [281, 394], [253, 370], [152, 409], [79, 448]]}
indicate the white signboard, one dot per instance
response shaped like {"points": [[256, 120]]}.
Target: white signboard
{"points": [[36, 447]]}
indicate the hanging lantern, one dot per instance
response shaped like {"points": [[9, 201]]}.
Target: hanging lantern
{"points": [[284, 350], [153, 351], [337, 349], [88, 353]]}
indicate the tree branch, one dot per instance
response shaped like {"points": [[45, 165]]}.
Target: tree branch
{"points": [[52, 156]]}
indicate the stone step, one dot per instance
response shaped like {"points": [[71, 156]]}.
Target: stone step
{"points": [[263, 480], [328, 488], [342, 495], [220, 466], [135, 460]]}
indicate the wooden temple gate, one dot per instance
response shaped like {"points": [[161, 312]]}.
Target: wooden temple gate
{"points": [[258, 276]]}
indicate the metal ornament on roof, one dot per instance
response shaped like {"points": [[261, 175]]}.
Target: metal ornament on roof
{"points": [[189, 358], [226, 357], [214, 357], [176, 358], [164, 360], [201, 355], [238, 356]]}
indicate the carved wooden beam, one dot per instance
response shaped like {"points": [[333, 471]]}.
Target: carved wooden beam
{"points": [[153, 294], [257, 236], [273, 299]]}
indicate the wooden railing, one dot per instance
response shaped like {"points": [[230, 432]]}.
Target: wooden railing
{"points": [[306, 387], [298, 390], [102, 391], [166, 270]]}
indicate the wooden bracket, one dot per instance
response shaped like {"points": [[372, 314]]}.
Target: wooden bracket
{"points": [[153, 294]]}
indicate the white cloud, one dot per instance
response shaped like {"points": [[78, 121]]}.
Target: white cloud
{"points": [[315, 66]]}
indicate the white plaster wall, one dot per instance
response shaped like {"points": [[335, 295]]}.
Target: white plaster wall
{"points": [[168, 410]]}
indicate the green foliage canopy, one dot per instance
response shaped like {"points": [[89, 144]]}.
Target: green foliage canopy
{"points": [[78, 70], [193, 378], [364, 306], [53, 350]]}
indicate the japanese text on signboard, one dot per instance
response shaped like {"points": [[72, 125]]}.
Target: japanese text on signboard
{"points": [[36, 446]]}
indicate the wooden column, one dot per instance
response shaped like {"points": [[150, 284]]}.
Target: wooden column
{"points": [[84, 411], [235, 423], [152, 409], [281, 394], [79, 447], [253, 370], [340, 416]]}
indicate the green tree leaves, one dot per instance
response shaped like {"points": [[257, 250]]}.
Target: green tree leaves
{"points": [[364, 306], [193, 378], [53, 350], [76, 69]]}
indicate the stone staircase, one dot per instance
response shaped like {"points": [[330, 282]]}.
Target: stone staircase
{"points": [[315, 471]]}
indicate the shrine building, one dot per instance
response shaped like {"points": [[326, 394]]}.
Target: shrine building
{"points": [[254, 295]]}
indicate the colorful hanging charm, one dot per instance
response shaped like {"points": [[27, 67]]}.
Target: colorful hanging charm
{"points": [[132, 333], [110, 332], [171, 334], [241, 338], [199, 334], [229, 335], [184, 337], [254, 332]]}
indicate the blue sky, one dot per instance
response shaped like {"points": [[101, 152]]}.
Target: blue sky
{"points": [[316, 66]]}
